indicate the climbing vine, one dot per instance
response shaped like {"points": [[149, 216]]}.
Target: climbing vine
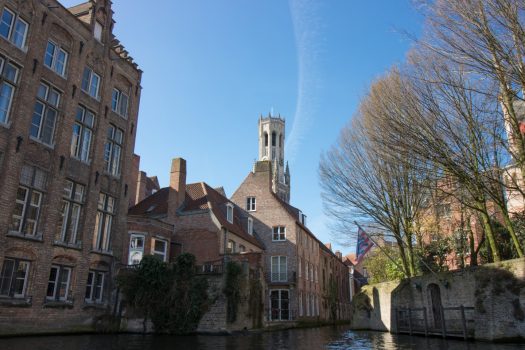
{"points": [[172, 296], [232, 289]]}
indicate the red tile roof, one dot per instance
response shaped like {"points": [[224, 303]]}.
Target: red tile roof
{"points": [[199, 196]]}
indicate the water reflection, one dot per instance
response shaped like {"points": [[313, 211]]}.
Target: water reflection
{"points": [[332, 338]]}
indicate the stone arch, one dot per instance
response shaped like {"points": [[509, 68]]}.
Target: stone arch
{"points": [[24, 253], [61, 35], [64, 259]]}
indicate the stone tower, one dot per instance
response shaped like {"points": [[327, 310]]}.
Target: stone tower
{"points": [[271, 147]]}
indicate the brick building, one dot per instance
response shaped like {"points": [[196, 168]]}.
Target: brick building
{"points": [[68, 116], [293, 258]]}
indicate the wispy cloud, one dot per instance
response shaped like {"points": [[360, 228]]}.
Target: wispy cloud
{"points": [[308, 39]]}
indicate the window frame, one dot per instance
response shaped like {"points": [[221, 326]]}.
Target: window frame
{"points": [[12, 84], [58, 282], [280, 235], [154, 251], [281, 276], [103, 222], [133, 250], [118, 107], [28, 183], [250, 226], [55, 60], [280, 306], [91, 288], [12, 279], [112, 158], [71, 201], [229, 213], [87, 89], [46, 107], [78, 142], [12, 28], [251, 203]]}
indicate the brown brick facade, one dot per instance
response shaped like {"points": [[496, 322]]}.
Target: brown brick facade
{"points": [[38, 164]]}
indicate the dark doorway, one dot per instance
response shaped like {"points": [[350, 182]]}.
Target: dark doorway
{"points": [[434, 296]]}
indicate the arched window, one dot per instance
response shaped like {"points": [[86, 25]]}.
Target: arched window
{"points": [[266, 139], [274, 139]]}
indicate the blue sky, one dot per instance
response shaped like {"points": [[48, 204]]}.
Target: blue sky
{"points": [[211, 67]]}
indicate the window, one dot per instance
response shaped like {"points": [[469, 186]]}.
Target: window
{"points": [[279, 233], [306, 270], [300, 268], [13, 280], [250, 226], [159, 248], [279, 303], [71, 208], [58, 284], [97, 32], [82, 134], [250, 204], [119, 103], [279, 269], [229, 213], [105, 212], [28, 200], [13, 28], [55, 58], [90, 83], [242, 249], [8, 80], [136, 249], [113, 150], [45, 114], [307, 304], [301, 304], [230, 247], [95, 287]]}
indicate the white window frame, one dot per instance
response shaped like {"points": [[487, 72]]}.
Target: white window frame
{"points": [[229, 213], [163, 254], [82, 135], [12, 29], [7, 66], [279, 275], [279, 233], [113, 150], [280, 305], [91, 288], [250, 226], [57, 282], [98, 29], [12, 278], [133, 250], [251, 204], [55, 58], [104, 220], [49, 108], [88, 90], [117, 103], [73, 200], [232, 249]]}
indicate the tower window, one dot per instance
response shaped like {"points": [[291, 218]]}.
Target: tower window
{"points": [[274, 139], [280, 140], [266, 139]]}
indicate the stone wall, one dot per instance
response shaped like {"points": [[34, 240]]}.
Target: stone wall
{"points": [[493, 296]]}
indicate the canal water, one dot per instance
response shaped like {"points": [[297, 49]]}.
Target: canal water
{"points": [[331, 338]]}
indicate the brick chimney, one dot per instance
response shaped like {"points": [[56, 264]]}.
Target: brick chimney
{"points": [[339, 255], [177, 186]]}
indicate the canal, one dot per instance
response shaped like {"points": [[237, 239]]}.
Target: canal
{"points": [[331, 338]]}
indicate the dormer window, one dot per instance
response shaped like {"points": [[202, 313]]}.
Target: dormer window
{"points": [[97, 32], [229, 213], [250, 226]]}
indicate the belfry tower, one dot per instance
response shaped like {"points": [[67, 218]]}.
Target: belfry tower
{"points": [[271, 147]]}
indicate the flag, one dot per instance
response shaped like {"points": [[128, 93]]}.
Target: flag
{"points": [[363, 244]]}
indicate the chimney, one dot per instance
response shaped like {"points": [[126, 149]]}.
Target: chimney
{"points": [[177, 186], [339, 255]]}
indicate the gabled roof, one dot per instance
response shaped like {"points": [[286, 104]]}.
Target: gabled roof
{"points": [[199, 196]]}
